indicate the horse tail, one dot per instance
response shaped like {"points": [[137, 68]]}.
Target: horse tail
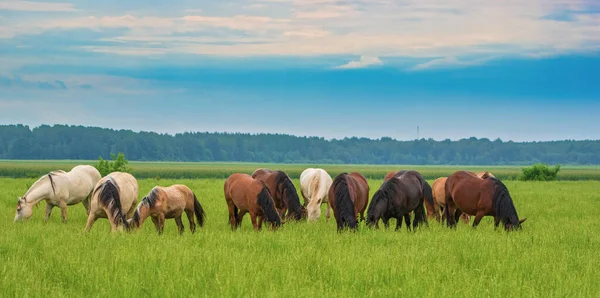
{"points": [[199, 211], [268, 206], [110, 198], [343, 201], [52, 183]]}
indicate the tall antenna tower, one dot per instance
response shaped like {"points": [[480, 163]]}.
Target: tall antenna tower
{"points": [[417, 132]]}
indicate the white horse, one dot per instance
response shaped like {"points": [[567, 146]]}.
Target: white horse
{"points": [[114, 197], [59, 188], [314, 186]]}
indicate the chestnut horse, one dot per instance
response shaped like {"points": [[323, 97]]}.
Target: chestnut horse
{"points": [[248, 195], [467, 193], [397, 197], [284, 193], [168, 202], [349, 196], [439, 195], [430, 205]]}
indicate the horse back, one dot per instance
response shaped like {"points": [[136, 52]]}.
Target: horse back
{"points": [[361, 190]]}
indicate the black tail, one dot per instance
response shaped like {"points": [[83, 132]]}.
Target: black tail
{"points": [[290, 195], [199, 211], [344, 206], [268, 206], [428, 192], [109, 198]]}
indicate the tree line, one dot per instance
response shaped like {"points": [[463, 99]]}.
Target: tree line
{"points": [[89, 143]]}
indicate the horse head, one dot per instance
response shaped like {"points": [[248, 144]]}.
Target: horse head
{"points": [[514, 224], [377, 209], [313, 209], [23, 210]]}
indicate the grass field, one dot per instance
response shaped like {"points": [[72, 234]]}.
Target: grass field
{"points": [[555, 255], [195, 170]]}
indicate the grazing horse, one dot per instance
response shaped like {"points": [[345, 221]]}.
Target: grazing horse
{"points": [[314, 187], [248, 195], [284, 193], [114, 197], [59, 188], [397, 197], [168, 202], [349, 196], [467, 193], [439, 198], [430, 205], [439, 195]]}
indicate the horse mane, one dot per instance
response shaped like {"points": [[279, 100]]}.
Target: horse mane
{"points": [[388, 189], [344, 205], [52, 184], [314, 183], [148, 201], [268, 206], [110, 198], [285, 185], [503, 204]]}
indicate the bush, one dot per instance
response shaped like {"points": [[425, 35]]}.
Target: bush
{"points": [[539, 172], [119, 164]]}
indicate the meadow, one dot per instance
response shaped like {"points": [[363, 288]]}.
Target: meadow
{"points": [[555, 255]]}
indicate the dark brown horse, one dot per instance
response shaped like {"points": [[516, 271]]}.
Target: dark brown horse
{"points": [[430, 205], [402, 193], [348, 196], [245, 194], [284, 193], [466, 192]]}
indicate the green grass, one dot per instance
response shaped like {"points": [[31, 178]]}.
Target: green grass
{"points": [[556, 253], [195, 170]]}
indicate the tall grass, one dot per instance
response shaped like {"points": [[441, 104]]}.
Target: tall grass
{"points": [[556, 253]]}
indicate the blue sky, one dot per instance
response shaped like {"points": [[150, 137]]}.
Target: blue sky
{"points": [[461, 68]]}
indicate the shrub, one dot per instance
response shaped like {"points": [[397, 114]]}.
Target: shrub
{"points": [[539, 172], [118, 164]]}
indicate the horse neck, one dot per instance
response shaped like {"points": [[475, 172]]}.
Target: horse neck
{"points": [[40, 190], [143, 211]]}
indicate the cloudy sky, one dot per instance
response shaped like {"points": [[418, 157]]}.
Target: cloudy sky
{"points": [[517, 70]]}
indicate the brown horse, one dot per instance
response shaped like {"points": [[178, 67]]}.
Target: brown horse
{"points": [[467, 193], [168, 202], [248, 195], [284, 193], [430, 205], [349, 196], [439, 199]]}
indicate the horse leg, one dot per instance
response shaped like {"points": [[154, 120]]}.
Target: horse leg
{"points": [[239, 218], [496, 222], [253, 219], [161, 222], [48, 211], [399, 224], [156, 224], [179, 224], [233, 218], [190, 216], [407, 220], [327, 214], [478, 218], [86, 204], [260, 221], [63, 210], [90, 222]]}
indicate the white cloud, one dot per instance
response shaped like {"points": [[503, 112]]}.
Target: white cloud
{"points": [[363, 62], [35, 6], [447, 62], [381, 28]]}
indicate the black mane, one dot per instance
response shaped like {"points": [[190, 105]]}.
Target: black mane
{"points": [[503, 204], [268, 206], [344, 206], [109, 197], [289, 194], [52, 183]]}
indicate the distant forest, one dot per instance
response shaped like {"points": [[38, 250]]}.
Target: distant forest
{"points": [[79, 142]]}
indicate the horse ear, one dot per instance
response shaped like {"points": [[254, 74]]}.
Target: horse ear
{"points": [[522, 220]]}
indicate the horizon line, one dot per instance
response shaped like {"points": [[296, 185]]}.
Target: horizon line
{"points": [[31, 127]]}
